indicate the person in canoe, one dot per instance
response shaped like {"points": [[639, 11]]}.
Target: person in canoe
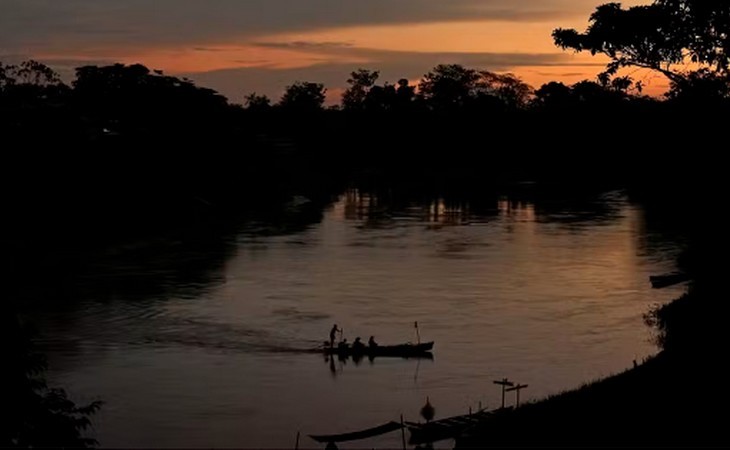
{"points": [[358, 346], [371, 342], [333, 335]]}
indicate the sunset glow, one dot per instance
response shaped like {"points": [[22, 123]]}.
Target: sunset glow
{"points": [[235, 49]]}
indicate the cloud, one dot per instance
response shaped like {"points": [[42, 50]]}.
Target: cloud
{"points": [[493, 60], [306, 45], [563, 74], [393, 65], [33, 24], [209, 49]]}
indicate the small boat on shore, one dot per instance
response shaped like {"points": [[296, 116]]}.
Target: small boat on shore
{"points": [[670, 279], [402, 350], [448, 428], [357, 435]]}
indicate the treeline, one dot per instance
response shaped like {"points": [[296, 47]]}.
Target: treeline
{"points": [[454, 88], [123, 149]]}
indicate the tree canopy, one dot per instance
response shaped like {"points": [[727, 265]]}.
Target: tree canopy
{"points": [[303, 97], [361, 83], [257, 103], [672, 37], [39, 416], [454, 86]]}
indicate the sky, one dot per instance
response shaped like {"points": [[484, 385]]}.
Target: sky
{"points": [[242, 46]]}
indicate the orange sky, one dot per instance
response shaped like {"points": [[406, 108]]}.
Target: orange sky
{"points": [[237, 56]]}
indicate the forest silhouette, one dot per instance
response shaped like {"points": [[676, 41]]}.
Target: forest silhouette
{"points": [[124, 151], [122, 147]]}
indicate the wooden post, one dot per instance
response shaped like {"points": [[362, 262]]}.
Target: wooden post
{"points": [[296, 446], [517, 390], [504, 382], [403, 431]]}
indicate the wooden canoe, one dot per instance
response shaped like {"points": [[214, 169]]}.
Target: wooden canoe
{"points": [[357, 435], [402, 350]]}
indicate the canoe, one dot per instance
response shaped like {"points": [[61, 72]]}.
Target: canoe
{"points": [[357, 435], [401, 350], [662, 281], [449, 428]]}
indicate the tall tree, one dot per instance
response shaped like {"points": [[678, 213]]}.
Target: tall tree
{"points": [[509, 89], [449, 86], [455, 86], [257, 103], [361, 82], [703, 27], [303, 97], [663, 36], [30, 77], [381, 98], [553, 95]]}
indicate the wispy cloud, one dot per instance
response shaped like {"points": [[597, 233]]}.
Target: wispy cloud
{"points": [[334, 71], [495, 60], [307, 45]]}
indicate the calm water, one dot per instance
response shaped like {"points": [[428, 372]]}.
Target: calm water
{"points": [[201, 342]]}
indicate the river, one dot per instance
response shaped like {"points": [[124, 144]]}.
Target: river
{"points": [[204, 340]]}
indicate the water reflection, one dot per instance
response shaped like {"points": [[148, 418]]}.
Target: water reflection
{"points": [[337, 363], [378, 209]]}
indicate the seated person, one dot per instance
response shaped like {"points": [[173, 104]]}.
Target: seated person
{"points": [[372, 343], [358, 346]]}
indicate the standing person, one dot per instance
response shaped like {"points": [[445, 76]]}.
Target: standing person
{"points": [[333, 335]]}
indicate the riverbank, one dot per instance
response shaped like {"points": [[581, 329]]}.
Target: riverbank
{"points": [[674, 399]]}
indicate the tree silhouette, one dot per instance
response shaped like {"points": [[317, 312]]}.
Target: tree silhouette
{"points": [[133, 97], [701, 86], [449, 86], [702, 27], [28, 72], [405, 93], [381, 98], [663, 36], [37, 415], [554, 95], [509, 89], [453, 86], [361, 82], [303, 97], [257, 103], [30, 82], [600, 93]]}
